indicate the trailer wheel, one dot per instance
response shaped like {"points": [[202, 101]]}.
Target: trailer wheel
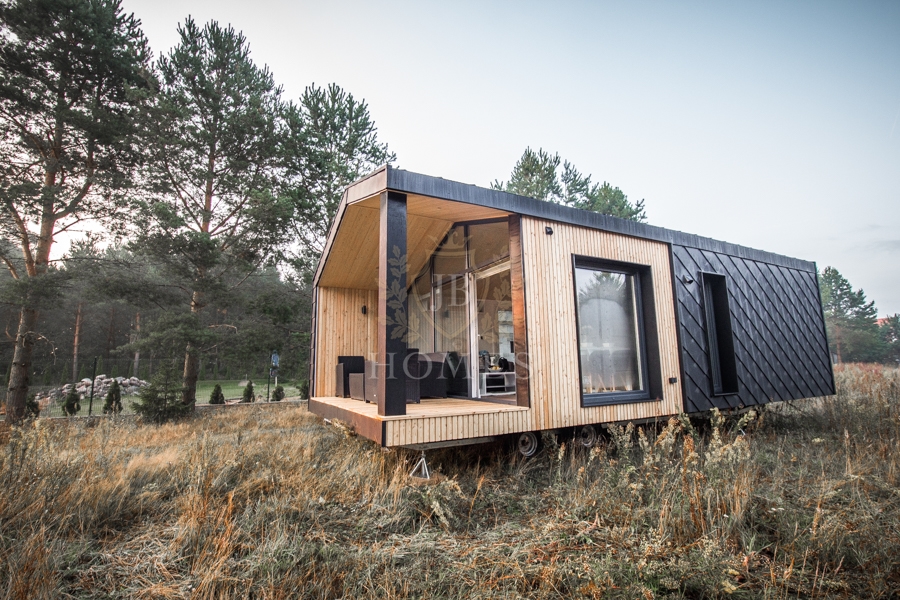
{"points": [[587, 436], [529, 444]]}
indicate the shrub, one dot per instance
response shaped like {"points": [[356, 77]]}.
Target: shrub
{"points": [[32, 409], [278, 394], [161, 400], [217, 397], [304, 389], [248, 393], [113, 404], [71, 403]]}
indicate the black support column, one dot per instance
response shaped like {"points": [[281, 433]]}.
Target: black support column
{"points": [[392, 315]]}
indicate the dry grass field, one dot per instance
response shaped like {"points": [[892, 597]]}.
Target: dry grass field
{"points": [[802, 500]]}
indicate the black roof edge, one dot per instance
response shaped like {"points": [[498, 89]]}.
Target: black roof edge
{"points": [[436, 187]]}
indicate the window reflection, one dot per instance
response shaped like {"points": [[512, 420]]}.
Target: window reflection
{"points": [[608, 331]]}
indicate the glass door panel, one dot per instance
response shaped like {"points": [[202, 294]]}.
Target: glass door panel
{"points": [[451, 328], [494, 331]]}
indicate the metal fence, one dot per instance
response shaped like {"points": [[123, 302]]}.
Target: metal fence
{"points": [[52, 381]]}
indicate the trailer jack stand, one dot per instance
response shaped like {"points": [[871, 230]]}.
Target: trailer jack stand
{"points": [[421, 469]]}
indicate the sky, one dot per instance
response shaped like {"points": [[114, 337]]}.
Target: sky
{"points": [[774, 125]]}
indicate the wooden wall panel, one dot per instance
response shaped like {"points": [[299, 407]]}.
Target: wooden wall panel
{"points": [[552, 341], [424, 430], [341, 330]]}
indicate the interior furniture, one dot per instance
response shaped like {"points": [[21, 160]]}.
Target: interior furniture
{"points": [[346, 365]]}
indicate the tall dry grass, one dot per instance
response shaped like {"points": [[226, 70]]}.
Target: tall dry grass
{"points": [[800, 501]]}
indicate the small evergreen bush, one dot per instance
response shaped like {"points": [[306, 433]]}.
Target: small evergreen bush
{"points": [[32, 409], [113, 404], [248, 393], [71, 403], [278, 394], [217, 397], [161, 400], [304, 389]]}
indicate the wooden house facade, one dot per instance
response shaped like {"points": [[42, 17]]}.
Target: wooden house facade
{"points": [[446, 314]]}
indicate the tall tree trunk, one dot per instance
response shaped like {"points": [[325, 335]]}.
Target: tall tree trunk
{"points": [[77, 341], [134, 338], [20, 373], [838, 336], [191, 360], [111, 332], [35, 266]]}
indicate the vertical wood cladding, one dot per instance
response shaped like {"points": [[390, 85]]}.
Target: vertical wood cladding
{"points": [[343, 330], [553, 352], [778, 330]]}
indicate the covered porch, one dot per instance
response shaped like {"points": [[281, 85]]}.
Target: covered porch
{"points": [[409, 271]]}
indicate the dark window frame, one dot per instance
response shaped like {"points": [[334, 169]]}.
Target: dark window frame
{"points": [[647, 344]]}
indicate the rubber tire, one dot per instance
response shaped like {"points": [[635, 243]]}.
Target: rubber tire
{"points": [[529, 444], [587, 436]]}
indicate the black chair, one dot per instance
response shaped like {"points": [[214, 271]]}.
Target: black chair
{"points": [[345, 366], [374, 371], [457, 375], [442, 374]]}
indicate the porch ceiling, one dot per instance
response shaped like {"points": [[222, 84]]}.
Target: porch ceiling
{"points": [[353, 259]]}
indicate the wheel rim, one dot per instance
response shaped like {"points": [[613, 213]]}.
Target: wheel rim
{"points": [[528, 444], [587, 436]]}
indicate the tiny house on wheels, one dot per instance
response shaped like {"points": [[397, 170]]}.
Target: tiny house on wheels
{"points": [[448, 314]]}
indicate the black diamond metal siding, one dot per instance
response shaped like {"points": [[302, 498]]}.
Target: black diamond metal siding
{"points": [[779, 334]]}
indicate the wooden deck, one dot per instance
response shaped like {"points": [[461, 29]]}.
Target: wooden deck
{"points": [[433, 420]]}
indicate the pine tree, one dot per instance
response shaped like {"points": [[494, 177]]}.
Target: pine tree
{"points": [[850, 320], [249, 395], [545, 176], [71, 403], [113, 403], [330, 141], [217, 397], [889, 331], [213, 164], [161, 400], [278, 394], [69, 71]]}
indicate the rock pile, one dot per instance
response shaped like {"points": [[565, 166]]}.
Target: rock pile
{"points": [[130, 386]]}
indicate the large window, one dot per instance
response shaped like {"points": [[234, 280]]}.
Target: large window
{"points": [[611, 341]]}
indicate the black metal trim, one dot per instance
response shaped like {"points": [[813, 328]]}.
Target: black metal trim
{"points": [[633, 270], [436, 187]]}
